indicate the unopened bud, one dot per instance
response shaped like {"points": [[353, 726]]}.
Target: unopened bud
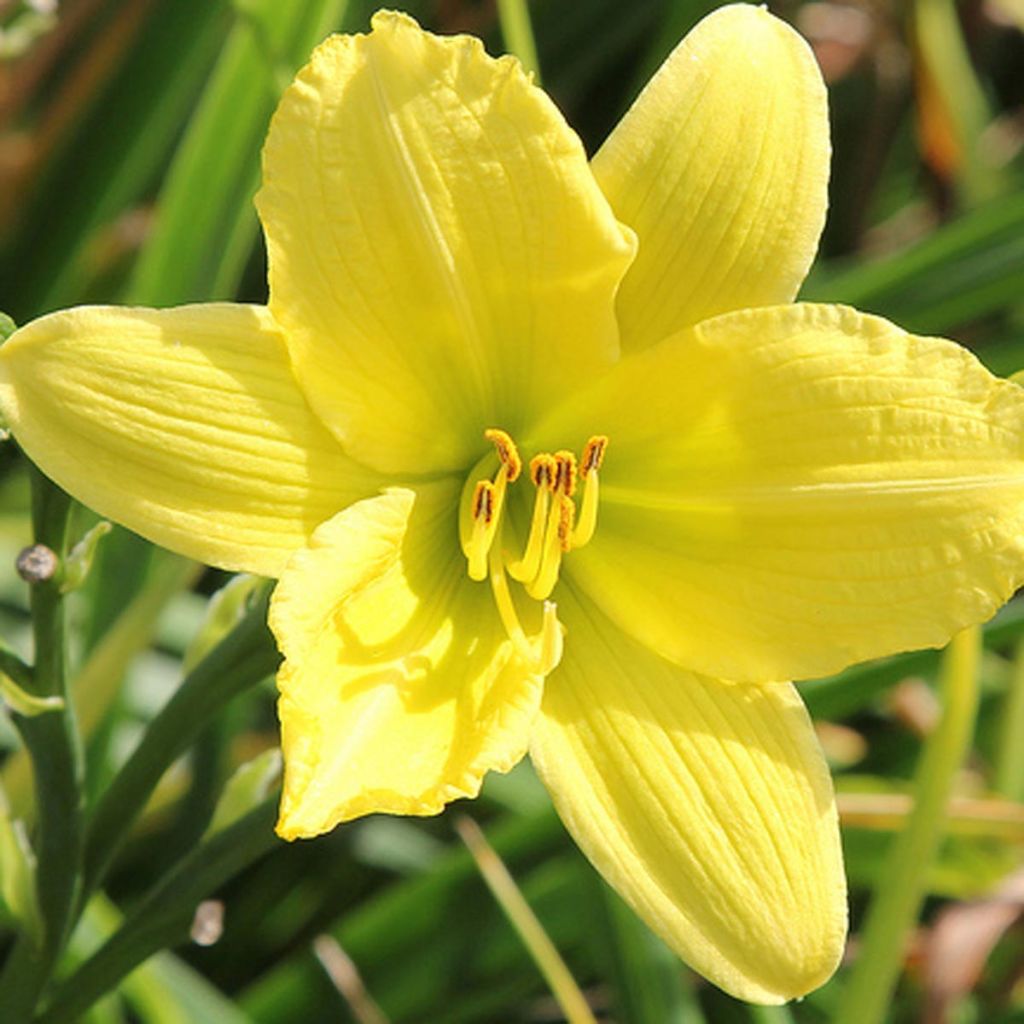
{"points": [[37, 564], [208, 923]]}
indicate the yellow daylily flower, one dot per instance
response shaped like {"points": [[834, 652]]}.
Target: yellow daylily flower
{"points": [[546, 458]]}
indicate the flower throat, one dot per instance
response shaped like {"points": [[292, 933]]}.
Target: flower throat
{"points": [[555, 529]]}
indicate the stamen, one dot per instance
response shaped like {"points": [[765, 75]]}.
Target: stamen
{"points": [[480, 515], [593, 456], [551, 640], [555, 529], [507, 452], [483, 502], [488, 500], [540, 587], [507, 608], [565, 473], [543, 653], [566, 517], [542, 472]]}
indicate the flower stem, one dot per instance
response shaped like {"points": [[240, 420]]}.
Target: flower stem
{"points": [[770, 1014], [900, 892], [1009, 768], [563, 986], [517, 32], [51, 740]]}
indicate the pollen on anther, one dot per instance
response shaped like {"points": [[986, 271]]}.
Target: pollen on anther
{"points": [[542, 470], [565, 473], [508, 453], [483, 502], [593, 454], [566, 521]]}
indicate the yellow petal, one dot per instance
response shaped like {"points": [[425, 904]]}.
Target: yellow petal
{"points": [[399, 690], [721, 168], [438, 246], [706, 805], [185, 425], [792, 489]]}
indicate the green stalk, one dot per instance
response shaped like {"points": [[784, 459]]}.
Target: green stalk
{"points": [[164, 917], [770, 1014], [243, 658], [899, 895], [52, 743], [943, 52], [517, 32], [540, 947], [1009, 768]]}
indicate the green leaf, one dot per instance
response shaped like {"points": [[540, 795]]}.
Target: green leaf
{"points": [[942, 59], [98, 173], [207, 195], [7, 327], [248, 787], [164, 916], [24, 703], [80, 558], [407, 936], [244, 657], [650, 985], [225, 610], [965, 270], [163, 990], [18, 875]]}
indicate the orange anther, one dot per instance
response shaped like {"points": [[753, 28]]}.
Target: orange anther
{"points": [[593, 454], [508, 453], [483, 502], [565, 473], [542, 470]]}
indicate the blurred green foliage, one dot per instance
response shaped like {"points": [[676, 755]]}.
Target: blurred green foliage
{"points": [[130, 133]]}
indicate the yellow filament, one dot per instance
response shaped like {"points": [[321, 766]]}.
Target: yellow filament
{"points": [[542, 469], [488, 501], [543, 583], [506, 607], [593, 456], [551, 639], [542, 654], [587, 522]]}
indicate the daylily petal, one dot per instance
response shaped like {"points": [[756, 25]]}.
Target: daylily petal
{"points": [[438, 246], [721, 168], [707, 805], [399, 690], [185, 425], [792, 489]]}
